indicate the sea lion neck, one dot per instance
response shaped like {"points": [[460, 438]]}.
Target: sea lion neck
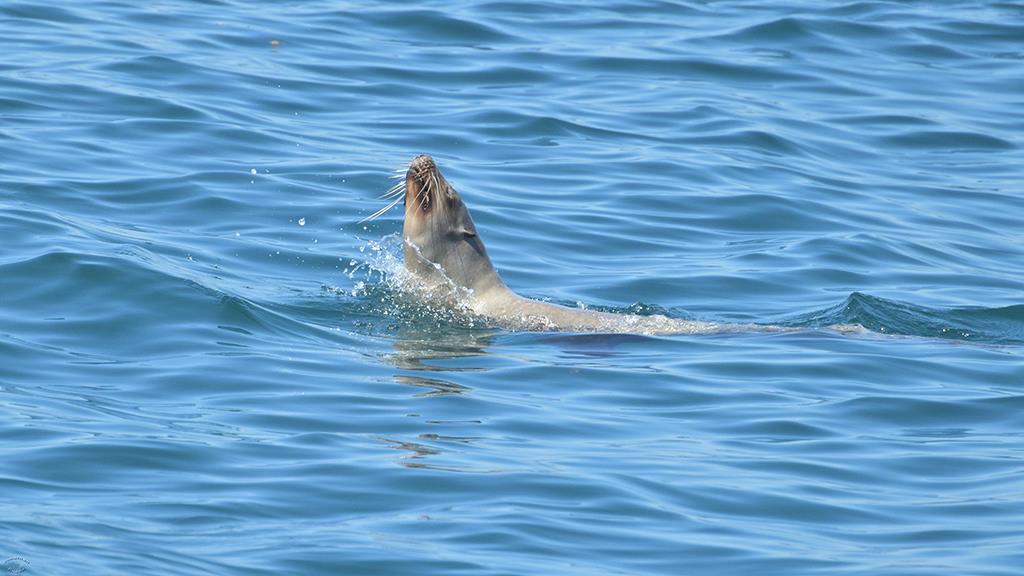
{"points": [[441, 244]]}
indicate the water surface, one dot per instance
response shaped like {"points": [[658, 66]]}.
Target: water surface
{"points": [[206, 367]]}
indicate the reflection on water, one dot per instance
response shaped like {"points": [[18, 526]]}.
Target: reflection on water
{"points": [[442, 402], [416, 450], [424, 350], [438, 387]]}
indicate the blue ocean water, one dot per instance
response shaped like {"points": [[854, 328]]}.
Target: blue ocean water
{"points": [[205, 367]]}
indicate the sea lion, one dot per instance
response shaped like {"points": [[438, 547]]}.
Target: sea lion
{"points": [[445, 254]]}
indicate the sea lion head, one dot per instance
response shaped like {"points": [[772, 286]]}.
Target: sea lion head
{"points": [[441, 244]]}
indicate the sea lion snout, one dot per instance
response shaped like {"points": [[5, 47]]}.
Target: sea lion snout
{"points": [[422, 171], [426, 188], [418, 180], [421, 165]]}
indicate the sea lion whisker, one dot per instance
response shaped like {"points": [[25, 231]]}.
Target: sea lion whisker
{"points": [[382, 211], [435, 189], [398, 188], [426, 193]]}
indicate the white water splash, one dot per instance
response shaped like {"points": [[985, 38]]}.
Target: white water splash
{"points": [[382, 281], [382, 265]]}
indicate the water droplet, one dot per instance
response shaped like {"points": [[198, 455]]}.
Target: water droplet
{"points": [[302, 221], [15, 565]]}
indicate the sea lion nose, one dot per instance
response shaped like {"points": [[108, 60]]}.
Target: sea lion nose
{"points": [[421, 164]]}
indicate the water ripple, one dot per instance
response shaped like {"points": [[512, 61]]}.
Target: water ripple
{"points": [[195, 332]]}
